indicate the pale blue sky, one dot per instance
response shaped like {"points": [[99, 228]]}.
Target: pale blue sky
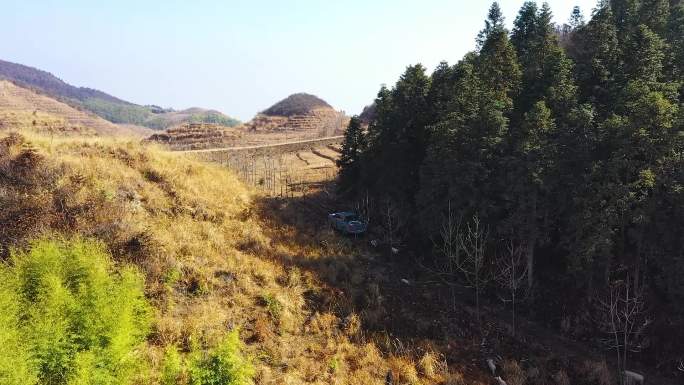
{"points": [[242, 56]]}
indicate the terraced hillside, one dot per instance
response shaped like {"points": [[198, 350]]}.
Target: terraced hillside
{"points": [[317, 122], [297, 104], [193, 136], [22, 108], [289, 169], [302, 117], [300, 113]]}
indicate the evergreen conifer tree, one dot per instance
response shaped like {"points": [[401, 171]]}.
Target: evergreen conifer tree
{"points": [[350, 159]]}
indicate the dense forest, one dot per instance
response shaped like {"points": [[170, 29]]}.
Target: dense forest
{"points": [[556, 150]]}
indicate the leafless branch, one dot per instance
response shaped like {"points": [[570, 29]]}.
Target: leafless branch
{"points": [[623, 312], [511, 273], [472, 259]]}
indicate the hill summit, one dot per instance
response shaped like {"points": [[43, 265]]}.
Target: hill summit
{"points": [[297, 104], [300, 112]]}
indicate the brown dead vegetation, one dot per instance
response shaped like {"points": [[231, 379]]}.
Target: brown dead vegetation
{"points": [[194, 136]]}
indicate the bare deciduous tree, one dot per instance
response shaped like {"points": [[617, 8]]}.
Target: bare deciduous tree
{"points": [[473, 261], [511, 273], [623, 317], [392, 224], [363, 208], [449, 248]]}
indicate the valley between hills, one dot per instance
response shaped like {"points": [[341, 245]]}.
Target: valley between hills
{"points": [[226, 225], [515, 218]]}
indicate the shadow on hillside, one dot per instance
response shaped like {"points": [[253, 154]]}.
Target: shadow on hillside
{"points": [[400, 309], [404, 309]]}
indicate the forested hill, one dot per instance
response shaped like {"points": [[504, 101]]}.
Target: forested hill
{"points": [[104, 105], [557, 147], [49, 83]]}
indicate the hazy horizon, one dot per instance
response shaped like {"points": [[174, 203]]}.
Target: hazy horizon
{"points": [[240, 57]]}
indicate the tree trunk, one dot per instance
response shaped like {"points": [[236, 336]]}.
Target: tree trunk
{"points": [[531, 240], [513, 305]]}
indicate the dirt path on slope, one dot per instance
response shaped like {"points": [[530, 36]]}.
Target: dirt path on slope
{"points": [[262, 146]]}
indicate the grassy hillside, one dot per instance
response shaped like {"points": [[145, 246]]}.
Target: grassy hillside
{"points": [[211, 264], [104, 105], [23, 108]]}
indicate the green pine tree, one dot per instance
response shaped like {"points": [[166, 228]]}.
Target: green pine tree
{"points": [[350, 159], [596, 53], [577, 19]]}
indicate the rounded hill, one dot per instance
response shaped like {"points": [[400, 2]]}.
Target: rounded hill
{"points": [[296, 104]]}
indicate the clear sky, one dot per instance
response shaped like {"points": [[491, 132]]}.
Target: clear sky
{"points": [[242, 56]]}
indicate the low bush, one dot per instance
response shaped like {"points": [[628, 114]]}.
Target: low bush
{"points": [[172, 367], [273, 306], [69, 317], [225, 364]]}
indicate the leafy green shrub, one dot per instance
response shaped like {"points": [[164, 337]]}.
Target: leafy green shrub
{"points": [[68, 317], [274, 307], [118, 112], [225, 365], [161, 122], [213, 117], [15, 364], [172, 367]]}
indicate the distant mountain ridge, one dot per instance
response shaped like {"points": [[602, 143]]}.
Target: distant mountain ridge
{"points": [[50, 84], [104, 105]]}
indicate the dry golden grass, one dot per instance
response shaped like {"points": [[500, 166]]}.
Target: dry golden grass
{"points": [[433, 366], [211, 265], [39, 121], [513, 373], [404, 371]]}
